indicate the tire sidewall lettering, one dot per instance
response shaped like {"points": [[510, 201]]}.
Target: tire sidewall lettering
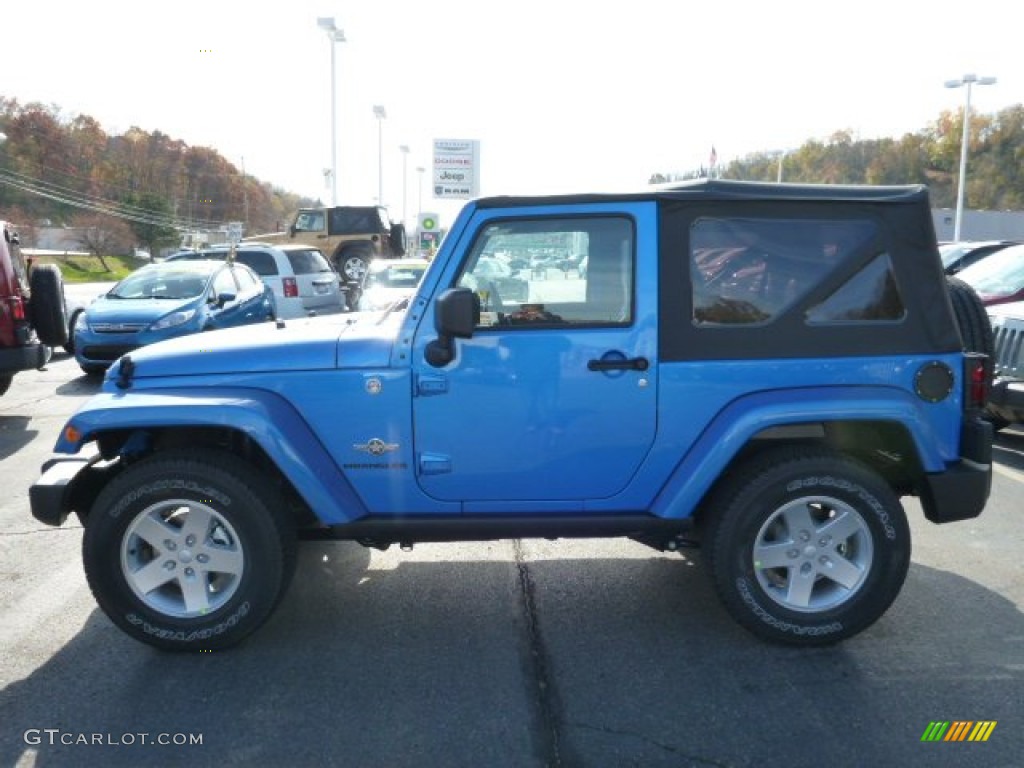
{"points": [[160, 487], [855, 489], [181, 636]]}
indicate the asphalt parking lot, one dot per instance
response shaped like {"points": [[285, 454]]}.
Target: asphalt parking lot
{"points": [[531, 653]]}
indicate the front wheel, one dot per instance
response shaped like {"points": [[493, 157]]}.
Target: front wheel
{"points": [[807, 547], [188, 551]]}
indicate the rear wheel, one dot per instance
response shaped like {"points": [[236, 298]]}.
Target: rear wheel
{"points": [[971, 317], [807, 547], [49, 312], [188, 551], [399, 240]]}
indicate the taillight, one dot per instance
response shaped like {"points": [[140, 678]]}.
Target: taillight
{"points": [[291, 288], [977, 379], [17, 308]]}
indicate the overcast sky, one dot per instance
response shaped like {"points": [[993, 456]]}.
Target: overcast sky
{"points": [[564, 95]]}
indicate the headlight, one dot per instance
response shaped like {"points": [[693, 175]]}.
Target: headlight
{"points": [[173, 319], [81, 322]]}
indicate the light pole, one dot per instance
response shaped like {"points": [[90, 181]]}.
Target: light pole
{"points": [[335, 35], [404, 148], [380, 114], [419, 205], [967, 80]]}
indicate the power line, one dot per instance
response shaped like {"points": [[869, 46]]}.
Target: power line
{"points": [[85, 201]]}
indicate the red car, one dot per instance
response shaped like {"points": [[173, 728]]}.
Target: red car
{"points": [[33, 314], [999, 277]]}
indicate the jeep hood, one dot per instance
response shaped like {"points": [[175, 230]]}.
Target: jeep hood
{"points": [[320, 343]]}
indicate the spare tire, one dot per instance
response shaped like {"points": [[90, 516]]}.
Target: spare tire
{"points": [[47, 310], [399, 240], [975, 328]]}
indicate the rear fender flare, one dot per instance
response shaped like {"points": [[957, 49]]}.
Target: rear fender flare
{"points": [[745, 417]]}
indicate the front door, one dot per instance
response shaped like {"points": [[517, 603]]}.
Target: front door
{"points": [[554, 399]]}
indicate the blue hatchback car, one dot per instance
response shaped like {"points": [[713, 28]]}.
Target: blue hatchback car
{"points": [[163, 301]]}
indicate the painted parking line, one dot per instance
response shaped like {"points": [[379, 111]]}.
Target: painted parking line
{"points": [[1013, 474]]}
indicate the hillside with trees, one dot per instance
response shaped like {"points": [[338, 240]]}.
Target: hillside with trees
{"points": [[136, 188], [995, 178], [144, 188]]}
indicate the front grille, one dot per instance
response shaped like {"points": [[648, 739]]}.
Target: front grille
{"points": [[106, 351], [1009, 345], [117, 327]]}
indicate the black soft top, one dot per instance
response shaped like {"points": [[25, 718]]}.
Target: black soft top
{"points": [[720, 189]]}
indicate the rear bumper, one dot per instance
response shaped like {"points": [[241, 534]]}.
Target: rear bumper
{"points": [[960, 492], [24, 358]]}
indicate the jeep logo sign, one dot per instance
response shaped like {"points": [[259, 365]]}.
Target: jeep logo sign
{"points": [[456, 169]]}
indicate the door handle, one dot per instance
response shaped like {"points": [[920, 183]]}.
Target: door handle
{"points": [[612, 364]]}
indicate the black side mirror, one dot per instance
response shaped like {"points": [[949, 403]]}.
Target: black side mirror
{"points": [[291, 230], [225, 298], [456, 315]]}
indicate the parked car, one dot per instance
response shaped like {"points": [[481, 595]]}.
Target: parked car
{"points": [[352, 236], [301, 278], [500, 279], [960, 255], [774, 417], [386, 282], [162, 301], [1006, 400], [998, 278], [33, 313]]}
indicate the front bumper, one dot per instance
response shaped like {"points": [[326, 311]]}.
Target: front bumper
{"points": [[960, 492], [51, 497]]}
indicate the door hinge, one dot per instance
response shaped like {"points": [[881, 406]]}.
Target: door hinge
{"points": [[435, 464], [431, 385]]}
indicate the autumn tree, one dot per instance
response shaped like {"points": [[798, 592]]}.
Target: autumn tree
{"points": [[102, 235]]}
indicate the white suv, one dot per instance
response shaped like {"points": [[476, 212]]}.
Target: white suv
{"points": [[301, 278]]}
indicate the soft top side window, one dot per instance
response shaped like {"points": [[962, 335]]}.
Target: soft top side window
{"points": [[751, 270]]}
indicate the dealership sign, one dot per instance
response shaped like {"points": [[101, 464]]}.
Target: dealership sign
{"points": [[456, 169]]}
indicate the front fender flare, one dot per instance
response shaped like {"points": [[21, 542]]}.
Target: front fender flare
{"points": [[266, 418]]}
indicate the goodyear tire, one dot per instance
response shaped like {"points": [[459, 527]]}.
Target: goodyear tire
{"points": [[807, 547], [188, 550], [971, 317], [49, 312]]}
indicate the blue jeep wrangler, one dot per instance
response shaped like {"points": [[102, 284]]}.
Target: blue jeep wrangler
{"points": [[761, 370]]}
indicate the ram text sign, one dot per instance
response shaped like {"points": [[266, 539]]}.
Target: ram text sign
{"points": [[456, 169]]}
